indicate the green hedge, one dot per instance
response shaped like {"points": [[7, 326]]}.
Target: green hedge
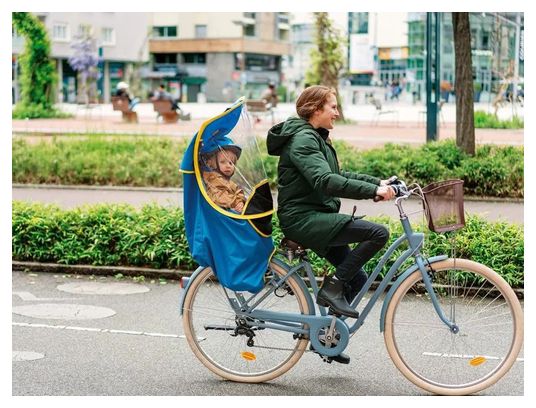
{"points": [[144, 161], [154, 236], [489, 120]]}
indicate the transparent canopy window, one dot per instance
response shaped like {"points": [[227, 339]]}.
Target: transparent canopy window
{"points": [[229, 168]]}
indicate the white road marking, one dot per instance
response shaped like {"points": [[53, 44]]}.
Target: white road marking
{"points": [[115, 331], [466, 356], [27, 296]]}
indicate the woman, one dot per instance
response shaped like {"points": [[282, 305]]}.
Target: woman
{"points": [[309, 184]]}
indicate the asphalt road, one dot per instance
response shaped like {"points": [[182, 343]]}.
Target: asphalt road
{"points": [[92, 337]]}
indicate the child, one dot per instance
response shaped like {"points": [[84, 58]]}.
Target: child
{"points": [[219, 186]]}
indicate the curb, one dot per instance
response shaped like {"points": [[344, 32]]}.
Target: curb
{"points": [[174, 274], [180, 189]]}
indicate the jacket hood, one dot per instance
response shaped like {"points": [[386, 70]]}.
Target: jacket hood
{"points": [[280, 134]]}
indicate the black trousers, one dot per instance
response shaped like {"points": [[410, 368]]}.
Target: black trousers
{"points": [[349, 262]]}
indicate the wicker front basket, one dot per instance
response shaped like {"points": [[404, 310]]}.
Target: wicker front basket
{"points": [[444, 205]]}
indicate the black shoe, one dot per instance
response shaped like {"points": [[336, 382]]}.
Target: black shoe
{"points": [[341, 358], [332, 294]]}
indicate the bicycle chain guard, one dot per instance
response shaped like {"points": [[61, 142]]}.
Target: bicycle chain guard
{"points": [[318, 331]]}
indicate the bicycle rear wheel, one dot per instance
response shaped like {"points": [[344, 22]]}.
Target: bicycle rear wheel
{"points": [[210, 325], [480, 303]]}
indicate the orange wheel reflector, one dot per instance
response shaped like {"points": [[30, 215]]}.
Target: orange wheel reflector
{"points": [[246, 355], [477, 361]]}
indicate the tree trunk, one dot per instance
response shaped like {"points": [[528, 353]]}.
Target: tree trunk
{"points": [[465, 116]]}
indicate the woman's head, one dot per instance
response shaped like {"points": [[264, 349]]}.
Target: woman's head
{"points": [[318, 105]]}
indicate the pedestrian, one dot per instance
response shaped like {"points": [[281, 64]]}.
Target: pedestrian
{"points": [[160, 94], [310, 183], [122, 90], [269, 96]]}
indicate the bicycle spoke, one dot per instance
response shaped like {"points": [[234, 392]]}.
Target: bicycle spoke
{"points": [[485, 319]]}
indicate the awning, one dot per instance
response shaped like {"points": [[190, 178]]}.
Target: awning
{"points": [[194, 80]]}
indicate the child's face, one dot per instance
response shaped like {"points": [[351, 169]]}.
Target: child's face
{"points": [[226, 162]]}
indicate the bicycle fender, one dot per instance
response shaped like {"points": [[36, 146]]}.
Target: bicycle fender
{"points": [[182, 293], [397, 283]]}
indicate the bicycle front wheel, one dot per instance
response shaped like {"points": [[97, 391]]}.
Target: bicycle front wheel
{"points": [[487, 313], [220, 341]]}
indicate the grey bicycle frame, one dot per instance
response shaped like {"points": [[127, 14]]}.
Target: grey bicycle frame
{"points": [[293, 322]]}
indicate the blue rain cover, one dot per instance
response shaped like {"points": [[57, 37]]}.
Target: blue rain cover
{"points": [[232, 247]]}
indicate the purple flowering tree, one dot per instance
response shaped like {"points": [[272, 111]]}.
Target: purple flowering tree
{"points": [[85, 61]]}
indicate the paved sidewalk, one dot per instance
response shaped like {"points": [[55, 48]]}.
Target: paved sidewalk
{"points": [[74, 196], [406, 127]]}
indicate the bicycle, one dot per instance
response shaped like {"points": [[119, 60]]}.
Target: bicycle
{"points": [[465, 336]]}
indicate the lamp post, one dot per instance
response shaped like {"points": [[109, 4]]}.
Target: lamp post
{"points": [[432, 67]]}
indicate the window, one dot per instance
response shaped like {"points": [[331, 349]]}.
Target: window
{"points": [[249, 30], [165, 58], [165, 31], [108, 36], [60, 32], [358, 23], [259, 62], [194, 58], [200, 31], [84, 30], [283, 18], [486, 40]]}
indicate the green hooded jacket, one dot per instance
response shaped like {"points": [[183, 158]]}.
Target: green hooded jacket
{"points": [[310, 182]]}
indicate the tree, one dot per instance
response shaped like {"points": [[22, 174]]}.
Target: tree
{"points": [[327, 59], [465, 115], [85, 61], [38, 76]]}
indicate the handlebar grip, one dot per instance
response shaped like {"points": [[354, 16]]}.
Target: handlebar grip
{"points": [[377, 198]]}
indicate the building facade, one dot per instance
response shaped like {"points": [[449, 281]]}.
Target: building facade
{"points": [[120, 39], [217, 56], [378, 51], [493, 49]]}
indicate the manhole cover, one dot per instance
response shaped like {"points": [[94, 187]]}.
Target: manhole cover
{"points": [[26, 355], [61, 311], [103, 288]]}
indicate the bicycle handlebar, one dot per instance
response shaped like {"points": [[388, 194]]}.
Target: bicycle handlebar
{"points": [[398, 186]]}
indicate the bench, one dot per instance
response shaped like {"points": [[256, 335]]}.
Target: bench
{"points": [[259, 108], [380, 111], [120, 103], [165, 111]]}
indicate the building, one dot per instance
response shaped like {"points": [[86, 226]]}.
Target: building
{"points": [[378, 51], [120, 39], [217, 56], [493, 48]]}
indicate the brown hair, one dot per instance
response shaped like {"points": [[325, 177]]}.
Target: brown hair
{"points": [[312, 99]]}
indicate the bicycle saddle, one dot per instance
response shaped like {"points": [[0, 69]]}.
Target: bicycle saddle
{"points": [[292, 245]]}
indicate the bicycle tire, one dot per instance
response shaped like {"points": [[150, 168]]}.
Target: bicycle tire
{"points": [[486, 356], [261, 364]]}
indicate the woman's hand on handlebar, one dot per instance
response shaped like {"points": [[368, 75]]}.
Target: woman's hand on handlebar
{"points": [[384, 193]]}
